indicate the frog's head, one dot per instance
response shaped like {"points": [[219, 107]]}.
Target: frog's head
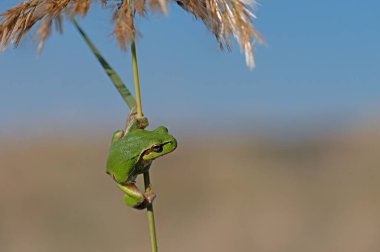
{"points": [[160, 143]]}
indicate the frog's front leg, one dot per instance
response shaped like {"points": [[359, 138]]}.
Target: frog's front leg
{"points": [[134, 198]]}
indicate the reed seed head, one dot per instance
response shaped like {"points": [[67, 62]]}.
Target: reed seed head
{"points": [[224, 19]]}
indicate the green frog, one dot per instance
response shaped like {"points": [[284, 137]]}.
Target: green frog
{"points": [[131, 153]]}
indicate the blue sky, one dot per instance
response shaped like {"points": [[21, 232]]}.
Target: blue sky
{"points": [[319, 69]]}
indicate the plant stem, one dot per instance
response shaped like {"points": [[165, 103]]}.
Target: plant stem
{"points": [[136, 79], [128, 98], [116, 80], [148, 187], [150, 212]]}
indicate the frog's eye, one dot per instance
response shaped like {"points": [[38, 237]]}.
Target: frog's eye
{"points": [[157, 148]]}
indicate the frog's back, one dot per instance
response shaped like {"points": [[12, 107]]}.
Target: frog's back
{"points": [[122, 158]]}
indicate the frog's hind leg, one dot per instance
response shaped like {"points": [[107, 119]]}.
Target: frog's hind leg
{"points": [[134, 198]]}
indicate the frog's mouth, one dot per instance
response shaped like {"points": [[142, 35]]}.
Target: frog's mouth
{"points": [[159, 150]]}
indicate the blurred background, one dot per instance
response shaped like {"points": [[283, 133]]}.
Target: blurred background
{"points": [[283, 158]]}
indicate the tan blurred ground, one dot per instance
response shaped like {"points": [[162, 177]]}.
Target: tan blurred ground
{"points": [[213, 195]]}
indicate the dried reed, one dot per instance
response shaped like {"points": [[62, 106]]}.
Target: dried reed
{"points": [[224, 19]]}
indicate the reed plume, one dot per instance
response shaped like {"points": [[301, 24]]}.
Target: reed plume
{"points": [[224, 19]]}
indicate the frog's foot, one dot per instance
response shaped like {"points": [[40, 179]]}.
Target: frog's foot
{"points": [[135, 122], [148, 199], [134, 198], [137, 204]]}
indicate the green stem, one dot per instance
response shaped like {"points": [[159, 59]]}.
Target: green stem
{"points": [[128, 98], [136, 78], [116, 80], [148, 187], [134, 65], [150, 213]]}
